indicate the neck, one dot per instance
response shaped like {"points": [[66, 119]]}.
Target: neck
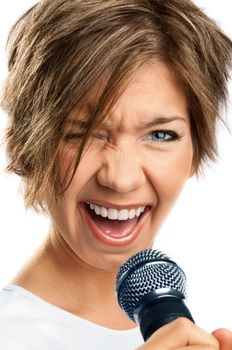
{"points": [[54, 265]]}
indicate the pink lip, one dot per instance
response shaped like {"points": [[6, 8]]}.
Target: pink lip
{"points": [[114, 241]]}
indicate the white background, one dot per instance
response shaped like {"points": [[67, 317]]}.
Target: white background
{"points": [[197, 234]]}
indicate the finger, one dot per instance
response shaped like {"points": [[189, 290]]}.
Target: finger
{"points": [[179, 334], [224, 338]]}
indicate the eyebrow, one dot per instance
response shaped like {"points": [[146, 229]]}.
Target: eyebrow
{"points": [[158, 120], [163, 120], [77, 122]]}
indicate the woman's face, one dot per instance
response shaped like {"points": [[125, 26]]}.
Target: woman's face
{"points": [[131, 174]]}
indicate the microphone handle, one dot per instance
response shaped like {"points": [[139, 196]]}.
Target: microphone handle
{"points": [[159, 312]]}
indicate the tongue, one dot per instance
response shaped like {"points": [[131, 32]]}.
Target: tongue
{"points": [[114, 228]]}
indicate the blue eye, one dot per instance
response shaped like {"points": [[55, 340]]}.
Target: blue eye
{"points": [[162, 136]]}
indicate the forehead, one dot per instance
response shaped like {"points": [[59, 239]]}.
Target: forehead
{"points": [[152, 92]]}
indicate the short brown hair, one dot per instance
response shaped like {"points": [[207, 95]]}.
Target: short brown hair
{"points": [[60, 50]]}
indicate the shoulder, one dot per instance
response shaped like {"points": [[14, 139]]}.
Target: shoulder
{"points": [[22, 321], [14, 301], [30, 323]]}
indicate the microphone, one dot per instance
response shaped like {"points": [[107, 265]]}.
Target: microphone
{"points": [[151, 290]]}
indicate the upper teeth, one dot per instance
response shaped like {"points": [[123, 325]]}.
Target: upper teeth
{"points": [[114, 214]]}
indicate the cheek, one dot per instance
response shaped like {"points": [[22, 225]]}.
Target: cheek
{"points": [[68, 170], [63, 209], [62, 204], [66, 163], [170, 172]]}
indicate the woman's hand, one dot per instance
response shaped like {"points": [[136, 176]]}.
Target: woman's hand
{"points": [[183, 334]]}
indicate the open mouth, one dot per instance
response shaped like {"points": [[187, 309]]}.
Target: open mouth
{"points": [[114, 226]]}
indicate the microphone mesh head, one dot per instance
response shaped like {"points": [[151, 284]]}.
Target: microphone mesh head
{"points": [[147, 271]]}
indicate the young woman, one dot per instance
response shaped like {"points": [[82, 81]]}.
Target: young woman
{"points": [[112, 106]]}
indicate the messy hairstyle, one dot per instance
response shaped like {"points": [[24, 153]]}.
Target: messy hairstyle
{"points": [[58, 51]]}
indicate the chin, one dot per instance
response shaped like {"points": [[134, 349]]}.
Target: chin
{"points": [[112, 260]]}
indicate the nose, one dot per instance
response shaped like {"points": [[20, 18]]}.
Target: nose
{"points": [[121, 171]]}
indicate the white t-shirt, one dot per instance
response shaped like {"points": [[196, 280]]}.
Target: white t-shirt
{"points": [[27, 322]]}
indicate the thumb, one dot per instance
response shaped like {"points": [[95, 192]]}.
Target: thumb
{"points": [[224, 337]]}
